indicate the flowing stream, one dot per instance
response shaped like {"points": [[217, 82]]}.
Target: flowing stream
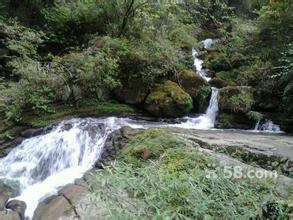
{"points": [[42, 165]]}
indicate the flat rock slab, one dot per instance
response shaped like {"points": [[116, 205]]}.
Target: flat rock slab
{"points": [[271, 144]]}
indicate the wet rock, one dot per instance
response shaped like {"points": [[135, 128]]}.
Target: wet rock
{"points": [[114, 143], [67, 127], [94, 129], [17, 206], [167, 99], [9, 215], [6, 192], [34, 132], [7, 147]]}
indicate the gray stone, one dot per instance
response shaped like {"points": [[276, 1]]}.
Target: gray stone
{"points": [[9, 215], [17, 206], [52, 208]]}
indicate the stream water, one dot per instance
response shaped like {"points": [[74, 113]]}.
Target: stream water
{"points": [[41, 165]]}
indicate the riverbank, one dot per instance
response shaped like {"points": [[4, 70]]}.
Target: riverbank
{"points": [[127, 184], [253, 151]]}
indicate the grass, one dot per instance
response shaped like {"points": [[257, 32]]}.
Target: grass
{"points": [[172, 183]]}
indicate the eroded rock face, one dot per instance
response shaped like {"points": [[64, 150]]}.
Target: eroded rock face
{"points": [[167, 99], [236, 99], [198, 88], [17, 206], [114, 143]]}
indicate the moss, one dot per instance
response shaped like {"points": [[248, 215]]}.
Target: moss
{"points": [[154, 142], [228, 76], [236, 98], [82, 110], [218, 61], [196, 87], [218, 83], [225, 121], [167, 99]]}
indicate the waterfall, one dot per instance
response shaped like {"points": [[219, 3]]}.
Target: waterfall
{"points": [[205, 121], [267, 126], [41, 165]]}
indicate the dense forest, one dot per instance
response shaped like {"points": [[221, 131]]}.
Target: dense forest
{"points": [[89, 58], [79, 52]]}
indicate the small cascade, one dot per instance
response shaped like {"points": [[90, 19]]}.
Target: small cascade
{"points": [[207, 43], [207, 120], [267, 126], [42, 164]]}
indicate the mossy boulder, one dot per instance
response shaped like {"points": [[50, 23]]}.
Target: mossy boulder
{"points": [[167, 99], [235, 121], [218, 83], [198, 88], [236, 99], [133, 91]]}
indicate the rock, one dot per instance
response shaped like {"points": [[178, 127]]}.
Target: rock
{"points": [[63, 205], [167, 99], [9, 215], [196, 87], [94, 129], [6, 192], [34, 132], [218, 83], [133, 91], [73, 193], [17, 206], [7, 147], [52, 208], [234, 121], [210, 73], [114, 143], [236, 99]]}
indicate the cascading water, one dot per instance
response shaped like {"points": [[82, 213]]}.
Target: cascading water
{"points": [[267, 126], [41, 165]]}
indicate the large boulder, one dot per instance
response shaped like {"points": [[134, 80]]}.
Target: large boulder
{"points": [[7, 191], [167, 99], [197, 87], [236, 99], [218, 83], [134, 91]]}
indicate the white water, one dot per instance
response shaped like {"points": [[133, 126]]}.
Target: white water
{"points": [[267, 126], [42, 165], [198, 62]]}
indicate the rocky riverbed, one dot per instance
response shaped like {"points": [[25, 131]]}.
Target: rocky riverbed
{"points": [[251, 151]]}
